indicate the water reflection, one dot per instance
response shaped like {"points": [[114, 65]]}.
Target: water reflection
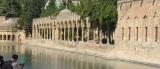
{"points": [[41, 58]]}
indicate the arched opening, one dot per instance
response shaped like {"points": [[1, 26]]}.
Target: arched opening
{"points": [[129, 33], [137, 33], [156, 34], [13, 37], [4, 37], [9, 37]]}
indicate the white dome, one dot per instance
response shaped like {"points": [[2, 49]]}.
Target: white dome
{"points": [[65, 12], [67, 15], [9, 22]]}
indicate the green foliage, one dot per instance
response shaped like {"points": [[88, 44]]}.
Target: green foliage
{"points": [[51, 9], [1, 6], [101, 11], [11, 8], [71, 6], [30, 9]]}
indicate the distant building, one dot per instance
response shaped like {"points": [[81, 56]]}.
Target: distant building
{"points": [[9, 31]]}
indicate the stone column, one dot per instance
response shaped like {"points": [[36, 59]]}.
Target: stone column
{"points": [[11, 37], [2, 37], [88, 28], [6, 37], [53, 32], [94, 34], [77, 32], [100, 36], [47, 31], [59, 33], [82, 26], [68, 33], [50, 36], [77, 26], [73, 32], [64, 37], [33, 31]]}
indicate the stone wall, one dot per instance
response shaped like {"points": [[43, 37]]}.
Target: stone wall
{"points": [[2, 19], [138, 21], [138, 30]]}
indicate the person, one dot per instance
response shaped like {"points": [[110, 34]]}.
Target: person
{"points": [[1, 62], [21, 63], [12, 63]]}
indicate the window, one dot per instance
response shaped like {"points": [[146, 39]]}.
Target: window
{"points": [[9, 37], [4, 37], [129, 33], [156, 34], [136, 33], [13, 37]]}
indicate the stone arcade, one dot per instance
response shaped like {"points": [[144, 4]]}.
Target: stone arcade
{"points": [[66, 26], [9, 31]]}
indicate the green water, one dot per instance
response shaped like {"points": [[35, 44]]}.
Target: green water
{"points": [[42, 58]]}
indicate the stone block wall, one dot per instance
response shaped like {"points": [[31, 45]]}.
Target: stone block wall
{"points": [[138, 29], [138, 21]]}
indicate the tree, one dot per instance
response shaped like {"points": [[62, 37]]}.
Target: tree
{"points": [[12, 8], [30, 9], [51, 9], [37, 7], [1, 6], [101, 12]]}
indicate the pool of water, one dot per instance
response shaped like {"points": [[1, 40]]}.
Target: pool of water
{"points": [[42, 58]]}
